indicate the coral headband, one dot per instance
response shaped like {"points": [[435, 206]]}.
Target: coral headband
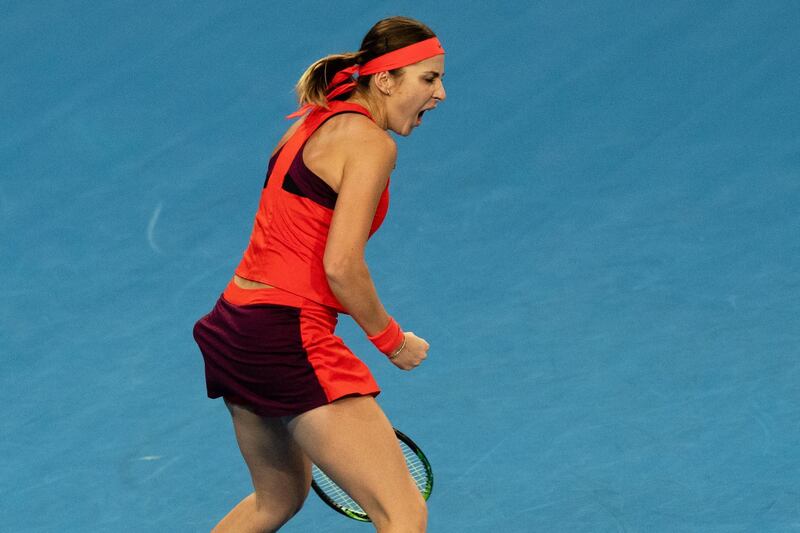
{"points": [[402, 57], [343, 81]]}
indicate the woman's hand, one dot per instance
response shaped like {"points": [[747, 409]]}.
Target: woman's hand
{"points": [[413, 353]]}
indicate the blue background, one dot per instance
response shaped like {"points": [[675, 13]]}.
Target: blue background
{"points": [[598, 233]]}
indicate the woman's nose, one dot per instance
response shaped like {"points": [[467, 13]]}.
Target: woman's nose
{"points": [[440, 94]]}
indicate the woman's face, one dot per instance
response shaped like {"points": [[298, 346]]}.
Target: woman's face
{"points": [[416, 91]]}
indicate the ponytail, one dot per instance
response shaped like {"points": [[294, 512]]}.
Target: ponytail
{"points": [[313, 84]]}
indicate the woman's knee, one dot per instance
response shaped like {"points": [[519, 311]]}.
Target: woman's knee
{"points": [[419, 512], [276, 512], [418, 515], [410, 515]]}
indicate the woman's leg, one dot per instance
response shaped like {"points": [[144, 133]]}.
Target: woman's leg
{"points": [[280, 470], [354, 443]]}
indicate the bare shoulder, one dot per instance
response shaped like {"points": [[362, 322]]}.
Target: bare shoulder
{"points": [[358, 137], [288, 134]]}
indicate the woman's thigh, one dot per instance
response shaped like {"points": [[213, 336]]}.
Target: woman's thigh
{"points": [[353, 442], [280, 470]]}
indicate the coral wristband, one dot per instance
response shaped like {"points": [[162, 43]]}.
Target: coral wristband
{"points": [[390, 339]]}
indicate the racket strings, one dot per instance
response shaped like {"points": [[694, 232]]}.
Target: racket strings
{"points": [[416, 467], [334, 491]]}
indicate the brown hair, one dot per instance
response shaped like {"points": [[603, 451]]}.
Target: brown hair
{"points": [[386, 36]]}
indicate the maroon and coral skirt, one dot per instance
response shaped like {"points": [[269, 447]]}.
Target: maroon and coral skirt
{"points": [[276, 353]]}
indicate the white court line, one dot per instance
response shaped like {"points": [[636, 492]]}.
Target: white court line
{"points": [[164, 466], [151, 226]]}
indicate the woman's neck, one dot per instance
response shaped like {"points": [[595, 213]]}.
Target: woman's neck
{"points": [[375, 108]]}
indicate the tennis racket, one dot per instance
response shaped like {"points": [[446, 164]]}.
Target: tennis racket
{"points": [[337, 498]]}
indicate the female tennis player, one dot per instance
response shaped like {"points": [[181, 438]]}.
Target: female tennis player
{"points": [[296, 393]]}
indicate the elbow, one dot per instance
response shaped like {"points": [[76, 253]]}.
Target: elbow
{"points": [[339, 269]]}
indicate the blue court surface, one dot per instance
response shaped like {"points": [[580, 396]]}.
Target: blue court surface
{"points": [[598, 232]]}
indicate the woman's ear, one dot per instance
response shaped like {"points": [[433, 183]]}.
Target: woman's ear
{"points": [[384, 82]]}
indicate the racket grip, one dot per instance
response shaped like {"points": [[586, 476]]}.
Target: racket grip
{"points": [[389, 339]]}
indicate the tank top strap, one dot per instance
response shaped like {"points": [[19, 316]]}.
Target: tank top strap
{"points": [[312, 122]]}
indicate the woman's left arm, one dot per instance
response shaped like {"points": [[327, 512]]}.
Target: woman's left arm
{"points": [[368, 164]]}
